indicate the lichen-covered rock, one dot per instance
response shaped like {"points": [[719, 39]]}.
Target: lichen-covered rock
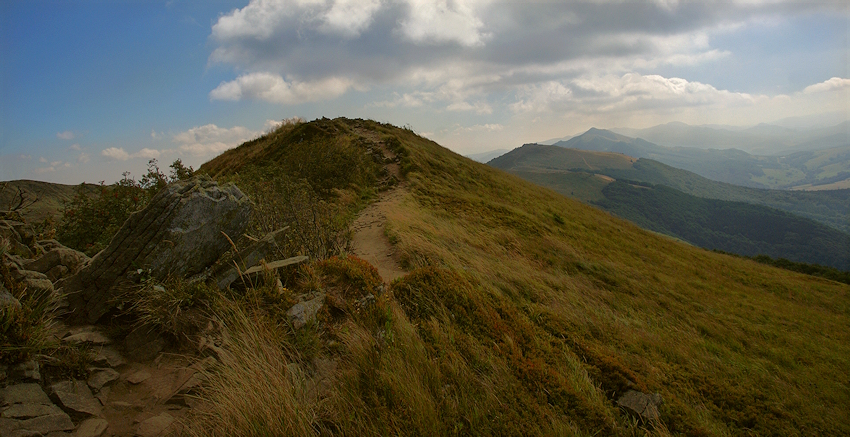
{"points": [[35, 282], [58, 262], [7, 300], [179, 233], [642, 405], [303, 312]]}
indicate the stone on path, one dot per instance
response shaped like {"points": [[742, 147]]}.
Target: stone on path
{"points": [[75, 396]]}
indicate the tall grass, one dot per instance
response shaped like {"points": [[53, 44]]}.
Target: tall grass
{"points": [[254, 391], [526, 313]]}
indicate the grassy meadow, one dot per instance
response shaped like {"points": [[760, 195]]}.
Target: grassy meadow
{"points": [[524, 313]]}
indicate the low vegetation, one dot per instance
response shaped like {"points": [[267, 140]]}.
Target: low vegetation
{"points": [[735, 227], [89, 221], [523, 312], [526, 313]]}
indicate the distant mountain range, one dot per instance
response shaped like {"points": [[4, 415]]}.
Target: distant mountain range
{"points": [[763, 139], [805, 226], [484, 157], [818, 169]]}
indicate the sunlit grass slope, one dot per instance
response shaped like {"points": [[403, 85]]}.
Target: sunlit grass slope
{"points": [[733, 346], [526, 313]]}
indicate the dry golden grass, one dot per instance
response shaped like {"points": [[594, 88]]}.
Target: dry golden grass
{"points": [[527, 313]]}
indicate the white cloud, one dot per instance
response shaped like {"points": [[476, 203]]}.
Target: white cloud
{"points": [[146, 153], [67, 135], [349, 17], [492, 127], [211, 139], [116, 153], [83, 158], [42, 160], [75, 147], [833, 84], [273, 88], [444, 21], [478, 107]]}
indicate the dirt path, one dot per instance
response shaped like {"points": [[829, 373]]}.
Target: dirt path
{"points": [[368, 238]]}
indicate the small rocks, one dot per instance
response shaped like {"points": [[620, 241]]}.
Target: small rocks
{"points": [[93, 427], [108, 356], [28, 411], [302, 313], [644, 406], [7, 300], [154, 426], [26, 371], [102, 377], [58, 262], [88, 337], [138, 377], [75, 396], [24, 394]]}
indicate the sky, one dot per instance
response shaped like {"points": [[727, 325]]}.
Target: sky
{"points": [[92, 89]]}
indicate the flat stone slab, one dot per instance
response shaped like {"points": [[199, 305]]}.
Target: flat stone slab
{"points": [[155, 425], [24, 394], [92, 428], [90, 337], [37, 426], [108, 356], [102, 377], [138, 377], [75, 396], [28, 411]]}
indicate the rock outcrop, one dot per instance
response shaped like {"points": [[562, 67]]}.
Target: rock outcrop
{"points": [[179, 233], [645, 406]]}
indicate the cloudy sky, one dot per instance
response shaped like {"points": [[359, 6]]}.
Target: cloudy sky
{"points": [[90, 89]]}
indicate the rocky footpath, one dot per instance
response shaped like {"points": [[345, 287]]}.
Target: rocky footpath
{"points": [[119, 397], [133, 384]]}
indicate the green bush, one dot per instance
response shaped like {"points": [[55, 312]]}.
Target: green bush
{"points": [[89, 222]]}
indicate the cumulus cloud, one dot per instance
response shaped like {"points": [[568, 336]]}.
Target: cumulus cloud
{"points": [[75, 147], [833, 84], [115, 153], [479, 58], [443, 21], [66, 135], [211, 139], [297, 51], [273, 88]]}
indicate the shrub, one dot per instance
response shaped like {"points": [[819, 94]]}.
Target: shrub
{"points": [[89, 222]]}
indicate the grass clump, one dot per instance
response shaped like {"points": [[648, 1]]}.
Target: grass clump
{"points": [[25, 321], [254, 391]]}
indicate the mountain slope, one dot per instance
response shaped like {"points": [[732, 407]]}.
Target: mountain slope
{"points": [[734, 227], [556, 167], [527, 313], [802, 169]]}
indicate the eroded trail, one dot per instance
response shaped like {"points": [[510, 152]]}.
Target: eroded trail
{"points": [[369, 241]]}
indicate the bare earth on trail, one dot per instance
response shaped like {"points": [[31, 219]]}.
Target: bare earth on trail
{"points": [[368, 238]]}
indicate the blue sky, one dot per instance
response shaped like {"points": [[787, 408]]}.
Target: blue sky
{"points": [[90, 89]]}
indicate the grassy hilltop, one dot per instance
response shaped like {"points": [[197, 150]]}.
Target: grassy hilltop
{"points": [[527, 313]]}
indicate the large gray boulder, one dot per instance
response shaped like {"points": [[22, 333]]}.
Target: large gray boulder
{"points": [[179, 233]]}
